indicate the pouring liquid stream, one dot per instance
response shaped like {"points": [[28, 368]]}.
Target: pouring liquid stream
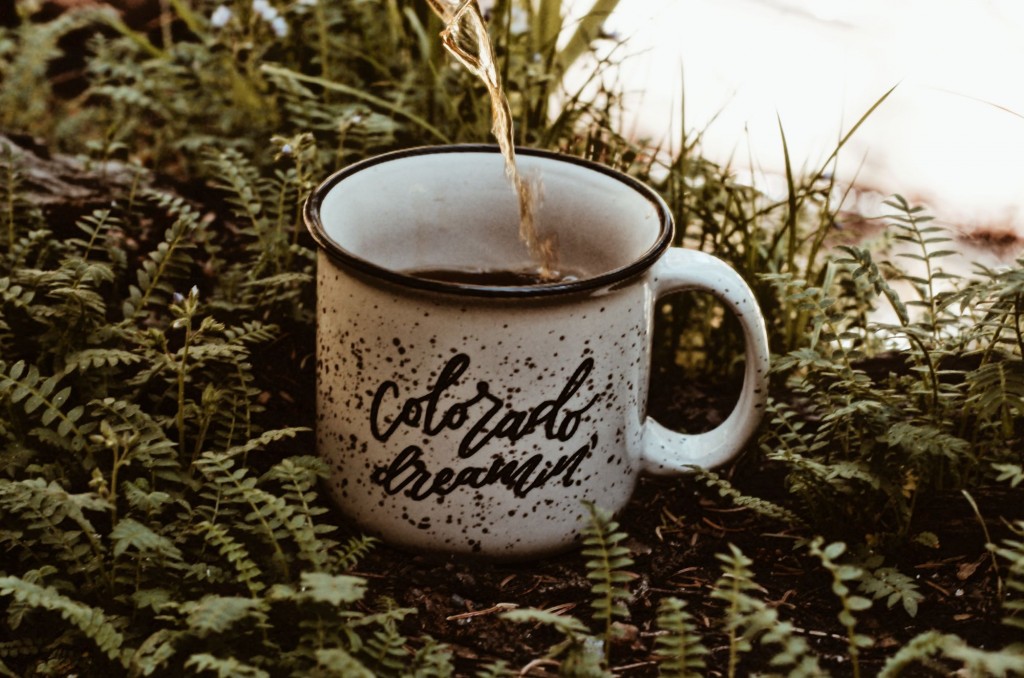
{"points": [[465, 38]]}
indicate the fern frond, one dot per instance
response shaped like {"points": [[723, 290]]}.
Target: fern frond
{"points": [[606, 560], [165, 267], [333, 589], [1014, 473], [891, 584], [215, 614], [748, 618], [42, 509], [21, 383], [263, 440], [252, 198], [761, 507], [925, 445], [15, 294], [92, 622], [154, 652], [224, 668], [18, 647], [251, 332], [996, 392], [102, 359], [27, 95], [336, 662], [432, 660], [270, 517], [735, 588], [148, 444], [976, 662], [385, 649], [498, 669], [841, 574], [298, 476], [144, 499], [130, 535], [1012, 551], [96, 227], [909, 223], [580, 653], [235, 553], [865, 266], [681, 648]]}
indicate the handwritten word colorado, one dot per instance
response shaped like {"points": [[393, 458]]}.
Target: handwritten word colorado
{"points": [[481, 419]]}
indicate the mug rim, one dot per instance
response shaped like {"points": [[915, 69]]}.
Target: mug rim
{"points": [[334, 250]]}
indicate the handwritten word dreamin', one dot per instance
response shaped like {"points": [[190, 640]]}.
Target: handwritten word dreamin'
{"points": [[484, 418]]}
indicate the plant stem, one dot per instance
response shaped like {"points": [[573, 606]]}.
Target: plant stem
{"points": [[988, 541], [10, 190], [182, 372], [321, 26]]}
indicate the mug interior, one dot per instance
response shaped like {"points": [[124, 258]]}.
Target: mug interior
{"points": [[453, 207]]}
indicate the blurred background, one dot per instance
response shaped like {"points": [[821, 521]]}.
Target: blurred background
{"points": [[951, 134]]}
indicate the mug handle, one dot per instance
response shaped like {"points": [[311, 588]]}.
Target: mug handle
{"points": [[667, 452]]}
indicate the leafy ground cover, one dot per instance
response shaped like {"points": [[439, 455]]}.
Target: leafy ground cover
{"points": [[159, 503]]}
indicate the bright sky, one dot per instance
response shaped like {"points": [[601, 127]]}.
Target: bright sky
{"points": [[952, 134]]}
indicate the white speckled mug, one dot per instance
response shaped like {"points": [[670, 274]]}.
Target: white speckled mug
{"points": [[478, 418]]}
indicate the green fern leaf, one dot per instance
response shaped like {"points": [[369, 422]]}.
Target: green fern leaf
{"points": [[224, 668], [355, 549], [432, 660], [841, 574], [607, 558], [264, 439], [235, 553], [760, 506], [975, 661], [996, 391], [748, 618], [681, 649], [335, 662], [90, 621], [736, 587], [131, 534], [101, 358], [893, 585], [42, 509], [1012, 551], [565, 624], [216, 614], [269, 516], [497, 669], [581, 654], [332, 589], [169, 264], [385, 649], [1014, 473], [22, 383]]}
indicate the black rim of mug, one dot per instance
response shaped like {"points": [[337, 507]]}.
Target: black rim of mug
{"points": [[311, 216]]}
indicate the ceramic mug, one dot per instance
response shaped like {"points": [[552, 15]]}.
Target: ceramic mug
{"points": [[472, 417]]}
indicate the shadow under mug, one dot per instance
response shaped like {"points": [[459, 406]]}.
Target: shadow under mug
{"points": [[469, 418]]}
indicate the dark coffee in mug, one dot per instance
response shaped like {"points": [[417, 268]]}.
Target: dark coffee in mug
{"points": [[495, 278]]}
